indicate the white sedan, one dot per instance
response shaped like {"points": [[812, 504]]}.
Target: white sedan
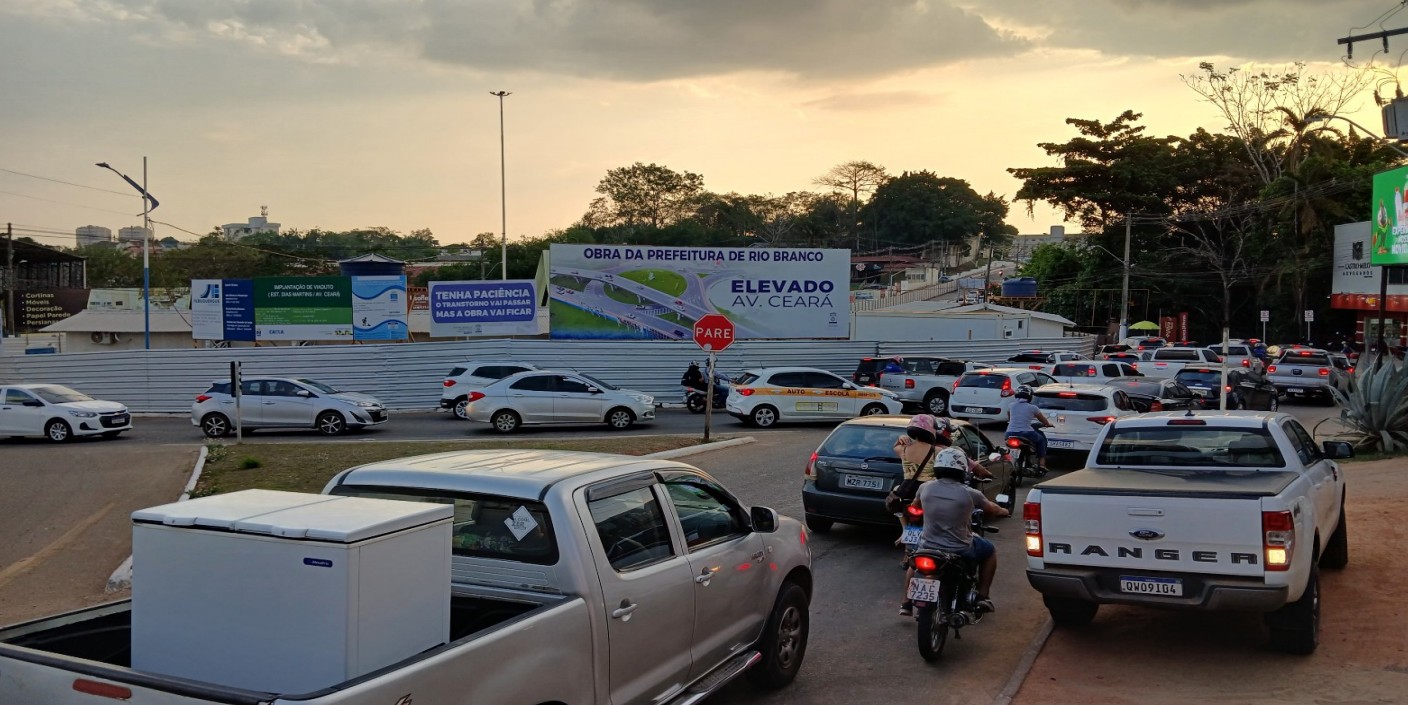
{"points": [[1077, 412], [58, 413], [549, 397], [763, 397]]}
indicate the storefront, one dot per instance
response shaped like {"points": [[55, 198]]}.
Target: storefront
{"points": [[1356, 288]]}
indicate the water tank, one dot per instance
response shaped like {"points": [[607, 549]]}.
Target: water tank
{"points": [[1021, 286]]}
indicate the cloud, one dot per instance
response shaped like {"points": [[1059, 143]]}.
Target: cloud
{"points": [[874, 101], [627, 40]]}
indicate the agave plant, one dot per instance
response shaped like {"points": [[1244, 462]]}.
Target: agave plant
{"points": [[1374, 403]]}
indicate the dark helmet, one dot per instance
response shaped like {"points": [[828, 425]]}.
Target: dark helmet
{"points": [[1024, 393]]}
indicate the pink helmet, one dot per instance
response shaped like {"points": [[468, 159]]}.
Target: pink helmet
{"points": [[927, 429]]}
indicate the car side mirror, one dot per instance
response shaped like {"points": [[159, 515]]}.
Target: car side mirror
{"points": [[994, 457], [303, 393], [764, 519], [34, 402], [1338, 450]]}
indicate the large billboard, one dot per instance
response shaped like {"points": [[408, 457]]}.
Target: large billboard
{"points": [[1390, 220], [222, 309], [644, 292], [303, 308], [37, 308], [379, 308], [477, 308]]}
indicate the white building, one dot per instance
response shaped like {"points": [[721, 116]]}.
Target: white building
{"points": [[259, 224], [1024, 245], [133, 233], [93, 235]]}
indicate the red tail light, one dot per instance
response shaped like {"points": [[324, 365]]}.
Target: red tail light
{"points": [[203, 398], [1135, 365], [475, 396], [1324, 372], [1031, 516], [1033, 367], [745, 391], [1014, 443], [908, 383], [1007, 387], [1228, 388], [925, 564], [955, 385], [914, 512], [449, 383], [1271, 370], [1102, 420], [1156, 405], [1350, 371], [1067, 395], [1279, 540], [1246, 362], [811, 467]]}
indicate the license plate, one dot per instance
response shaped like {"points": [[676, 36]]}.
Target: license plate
{"points": [[1172, 587], [1060, 444], [1296, 390], [910, 537], [973, 410], [923, 590], [863, 482], [120, 419]]}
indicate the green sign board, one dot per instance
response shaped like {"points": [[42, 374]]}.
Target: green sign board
{"points": [[303, 308], [1390, 218]]}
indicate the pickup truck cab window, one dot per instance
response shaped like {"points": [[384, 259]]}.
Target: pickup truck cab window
{"points": [[1304, 445], [707, 514], [632, 529], [484, 526], [1202, 447]]}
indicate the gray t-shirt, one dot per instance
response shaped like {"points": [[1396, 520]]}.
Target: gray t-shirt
{"points": [[948, 507], [1020, 416]]}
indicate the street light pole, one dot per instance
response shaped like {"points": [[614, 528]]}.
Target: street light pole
{"points": [[149, 204], [1124, 291], [503, 184]]}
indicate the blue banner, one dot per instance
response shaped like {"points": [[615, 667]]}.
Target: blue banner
{"points": [[238, 308], [460, 309]]}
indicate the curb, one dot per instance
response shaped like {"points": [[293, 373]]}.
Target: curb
{"points": [[121, 579], [1024, 665], [692, 450]]}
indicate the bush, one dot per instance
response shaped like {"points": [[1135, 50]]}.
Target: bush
{"points": [[1375, 406], [250, 463]]}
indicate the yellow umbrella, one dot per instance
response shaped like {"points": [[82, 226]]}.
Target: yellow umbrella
{"points": [[1144, 325]]}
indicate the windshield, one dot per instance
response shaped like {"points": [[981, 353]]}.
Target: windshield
{"points": [[1072, 369], [746, 378], [55, 394], [1030, 357], [485, 526], [1200, 378], [1190, 446], [1302, 358], [982, 381], [1070, 401], [597, 382], [876, 442], [1150, 388], [318, 386]]}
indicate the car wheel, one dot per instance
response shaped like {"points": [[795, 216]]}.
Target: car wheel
{"points": [[215, 426], [784, 641], [936, 403], [461, 408], [764, 416], [505, 421], [331, 423], [58, 431], [1241, 404], [872, 410], [1295, 628], [111, 434], [818, 525], [1275, 404], [1069, 612], [620, 419]]}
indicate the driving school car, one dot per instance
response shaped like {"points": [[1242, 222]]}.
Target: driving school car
{"points": [[763, 397]]}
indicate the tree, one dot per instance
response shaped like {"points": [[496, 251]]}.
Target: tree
{"points": [[857, 178], [921, 207], [108, 267], [645, 195]]}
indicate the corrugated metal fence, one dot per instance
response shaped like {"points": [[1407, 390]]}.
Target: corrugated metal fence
{"points": [[408, 376]]}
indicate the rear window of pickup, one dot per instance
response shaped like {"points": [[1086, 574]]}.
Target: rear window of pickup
{"points": [[485, 526], [1190, 446], [1293, 358]]}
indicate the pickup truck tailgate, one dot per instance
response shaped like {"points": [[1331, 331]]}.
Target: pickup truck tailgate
{"points": [[44, 680], [1207, 522]]}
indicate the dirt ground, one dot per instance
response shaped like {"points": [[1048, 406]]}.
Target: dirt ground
{"points": [[1151, 657]]}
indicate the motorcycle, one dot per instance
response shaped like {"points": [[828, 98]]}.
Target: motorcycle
{"points": [[944, 589], [1023, 456], [694, 398]]}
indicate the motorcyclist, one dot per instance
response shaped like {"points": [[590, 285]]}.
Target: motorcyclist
{"points": [[948, 506], [1019, 424], [694, 377]]}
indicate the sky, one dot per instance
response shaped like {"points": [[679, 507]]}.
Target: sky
{"points": [[342, 114]]}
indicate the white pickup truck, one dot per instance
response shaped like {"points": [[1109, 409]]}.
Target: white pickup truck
{"points": [[1196, 510], [575, 578], [1164, 363]]}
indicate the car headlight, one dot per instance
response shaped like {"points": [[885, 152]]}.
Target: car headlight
{"points": [[368, 404], [83, 414]]}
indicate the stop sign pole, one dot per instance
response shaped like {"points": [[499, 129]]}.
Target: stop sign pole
{"points": [[712, 333]]}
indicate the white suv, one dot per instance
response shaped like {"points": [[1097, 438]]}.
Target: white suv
{"points": [[1077, 412], [985, 395], [471, 375]]}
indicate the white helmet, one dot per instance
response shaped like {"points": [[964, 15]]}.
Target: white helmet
{"points": [[951, 459]]}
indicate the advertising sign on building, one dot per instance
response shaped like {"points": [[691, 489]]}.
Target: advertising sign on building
{"points": [[479, 308], [379, 308], [37, 308], [1390, 218], [303, 308], [641, 292], [222, 309]]}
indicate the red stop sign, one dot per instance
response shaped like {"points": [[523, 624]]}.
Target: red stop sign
{"points": [[713, 333]]}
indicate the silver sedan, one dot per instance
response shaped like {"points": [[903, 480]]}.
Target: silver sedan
{"points": [[284, 402], [548, 397]]}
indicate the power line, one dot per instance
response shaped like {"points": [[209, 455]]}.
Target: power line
{"points": [[65, 203], [66, 183]]}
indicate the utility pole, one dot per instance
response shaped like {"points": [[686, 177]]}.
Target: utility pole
{"points": [[503, 184], [1124, 291], [10, 279], [146, 263]]}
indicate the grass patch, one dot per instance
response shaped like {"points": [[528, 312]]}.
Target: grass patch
{"points": [[625, 297], [307, 467], [664, 281]]}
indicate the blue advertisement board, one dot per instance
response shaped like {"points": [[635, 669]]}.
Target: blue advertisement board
{"points": [[479, 308], [379, 308], [238, 309]]}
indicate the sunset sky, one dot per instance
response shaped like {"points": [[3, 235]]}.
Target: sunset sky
{"points": [[340, 114]]}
